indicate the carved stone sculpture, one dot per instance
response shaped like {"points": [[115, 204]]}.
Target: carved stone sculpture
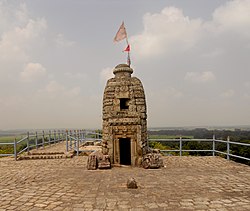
{"points": [[98, 160], [92, 162], [152, 159]]}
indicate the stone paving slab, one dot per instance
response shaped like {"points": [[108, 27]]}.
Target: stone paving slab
{"points": [[187, 183]]}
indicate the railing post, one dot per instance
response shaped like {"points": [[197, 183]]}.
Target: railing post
{"points": [[67, 144], [70, 139], [49, 137], [77, 143], [43, 139], [28, 142], [59, 136], [54, 136], [180, 145], [213, 145], [79, 135], [15, 149], [82, 135], [228, 148], [36, 142]]}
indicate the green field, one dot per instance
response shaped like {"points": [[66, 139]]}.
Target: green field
{"points": [[9, 148], [6, 149], [7, 139]]}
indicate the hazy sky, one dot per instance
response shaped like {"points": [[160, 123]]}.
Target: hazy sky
{"points": [[193, 58]]}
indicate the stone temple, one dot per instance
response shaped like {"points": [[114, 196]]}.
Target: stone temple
{"points": [[124, 118]]}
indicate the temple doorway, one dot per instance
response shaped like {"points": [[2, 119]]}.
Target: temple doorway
{"points": [[125, 151]]}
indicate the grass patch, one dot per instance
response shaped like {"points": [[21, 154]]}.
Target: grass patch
{"points": [[9, 148], [7, 139]]}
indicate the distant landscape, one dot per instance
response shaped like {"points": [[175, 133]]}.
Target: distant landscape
{"points": [[181, 128], [236, 134]]}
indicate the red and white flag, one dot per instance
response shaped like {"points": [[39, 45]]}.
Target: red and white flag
{"points": [[121, 34], [127, 49]]}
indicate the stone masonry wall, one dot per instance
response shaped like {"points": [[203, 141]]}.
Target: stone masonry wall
{"points": [[124, 114]]}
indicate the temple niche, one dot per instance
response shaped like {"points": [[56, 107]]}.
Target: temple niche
{"points": [[124, 118]]}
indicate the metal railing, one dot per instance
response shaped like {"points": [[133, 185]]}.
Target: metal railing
{"points": [[34, 140], [213, 149], [75, 138]]}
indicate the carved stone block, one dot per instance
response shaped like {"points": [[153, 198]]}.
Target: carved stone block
{"points": [[131, 183]]}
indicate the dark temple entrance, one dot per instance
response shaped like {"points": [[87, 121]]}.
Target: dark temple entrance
{"points": [[125, 151]]}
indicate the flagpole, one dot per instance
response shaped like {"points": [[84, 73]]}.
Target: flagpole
{"points": [[120, 35], [128, 57]]}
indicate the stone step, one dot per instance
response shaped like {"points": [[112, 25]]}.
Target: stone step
{"points": [[45, 155]]}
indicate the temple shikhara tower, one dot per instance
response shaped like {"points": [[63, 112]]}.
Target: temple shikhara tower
{"points": [[124, 118], [124, 128]]}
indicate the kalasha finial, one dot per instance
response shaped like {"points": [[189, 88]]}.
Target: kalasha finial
{"points": [[123, 70]]}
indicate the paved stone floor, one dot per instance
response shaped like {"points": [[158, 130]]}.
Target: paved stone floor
{"points": [[187, 183]]}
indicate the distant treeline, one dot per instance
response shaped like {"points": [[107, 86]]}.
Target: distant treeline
{"points": [[203, 133]]}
